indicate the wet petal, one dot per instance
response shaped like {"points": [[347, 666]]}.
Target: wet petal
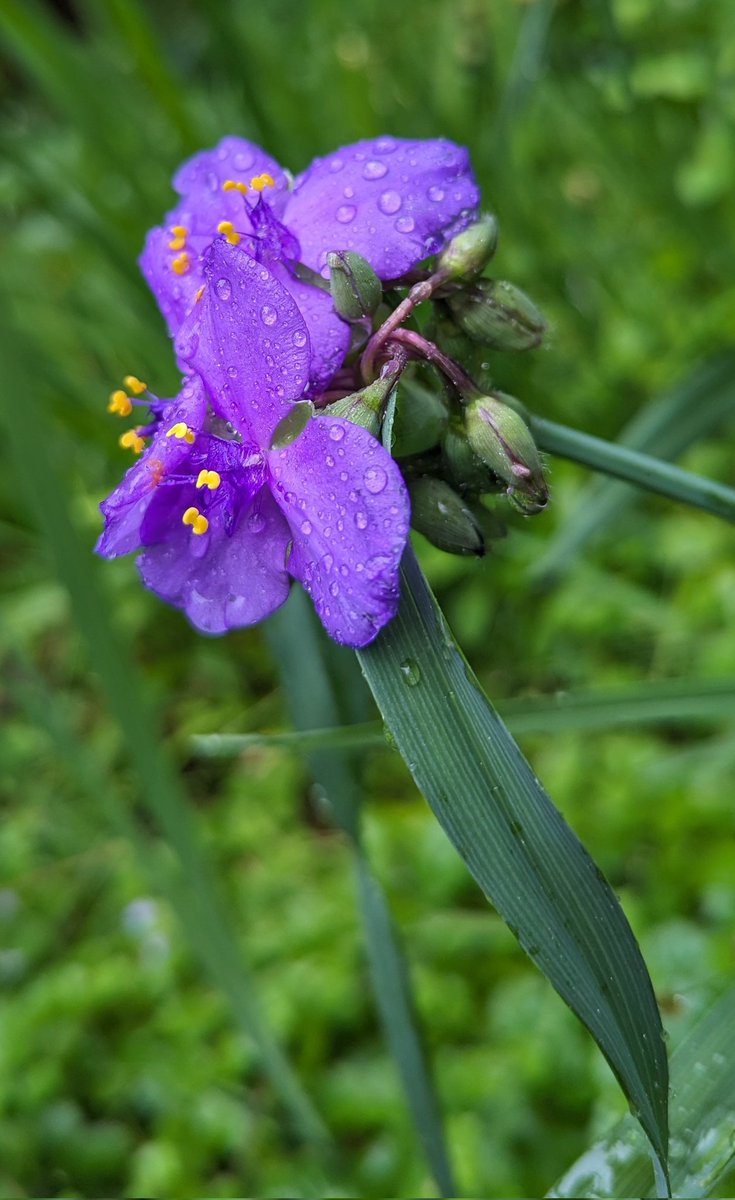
{"points": [[199, 180], [126, 508], [329, 334], [248, 341], [347, 506], [223, 582], [392, 200]]}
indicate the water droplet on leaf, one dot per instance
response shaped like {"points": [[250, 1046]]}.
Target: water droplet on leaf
{"points": [[410, 671]]}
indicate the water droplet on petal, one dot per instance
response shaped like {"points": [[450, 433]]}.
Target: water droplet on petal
{"points": [[405, 224], [336, 433], [223, 289], [375, 480], [269, 315], [329, 460], [349, 192], [243, 160], [410, 671], [385, 145], [299, 338], [256, 522], [336, 165], [306, 528], [436, 194], [389, 202], [346, 213], [334, 589], [232, 372], [361, 520], [374, 170]]}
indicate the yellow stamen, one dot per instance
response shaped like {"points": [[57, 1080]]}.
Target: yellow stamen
{"points": [[199, 523], [177, 243], [258, 182], [179, 231], [181, 263], [135, 385], [181, 430], [120, 403], [210, 479], [228, 229], [199, 293], [232, 185], [131, 440]]}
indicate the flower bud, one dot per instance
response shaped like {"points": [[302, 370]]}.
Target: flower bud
{"points": [[498, 314], [365, 407], [469, 252], [501, 438], [421, 417], [443, 517], [356, 289], [465, 470]]}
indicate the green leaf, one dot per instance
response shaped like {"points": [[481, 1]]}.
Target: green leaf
{"points": [[516, 844], [702, 1123]]}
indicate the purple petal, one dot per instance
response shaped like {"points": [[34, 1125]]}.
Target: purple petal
{"points": [[126, 508], [392, 200], [248, 341], [347, 506], [223, 582], [199, 180], [329, 334]]}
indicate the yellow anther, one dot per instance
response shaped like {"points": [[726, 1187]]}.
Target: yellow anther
{"points": [[177, 243], [232, 185], [179, 231], [181, 263], [135, 385], [181, 431], [258, 182], [199, 523], [199, 293], [131, 440], [228, 229], [120, 403], [210, 479]]}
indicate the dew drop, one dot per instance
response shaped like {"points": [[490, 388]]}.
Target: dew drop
{"points": [[436, 194], [375, 480], [256, 522], [349, 192], [268, 314], [299, 338], [410, 671], [243, 160], [389, 203], [361, 520], [374, 170], [336, 165], [405, 224], [232, 372], [306, 528], [334, 589], [385, 145], [336, 433], [329, 460], [223, 288], [346, 213]]}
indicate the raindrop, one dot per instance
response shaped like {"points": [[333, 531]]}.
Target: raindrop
{"points": [[346, 213], [243, 161], [232, 372], [336, 433], [268, 314], [223, 289], [329, 460], [334, 589], [361, 520], [336, 165], [389, 202], [299, 338], [385, 145], [306, 527], [256, 522], [375, 480], [405, 224], [374, 170], [436, 194], [410, 671], [349, 192]]}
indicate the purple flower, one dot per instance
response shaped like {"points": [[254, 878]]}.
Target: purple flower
{"points": [[223, 517], [391, 200]]}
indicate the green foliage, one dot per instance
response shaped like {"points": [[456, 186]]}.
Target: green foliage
{"points": [[602, 137]]}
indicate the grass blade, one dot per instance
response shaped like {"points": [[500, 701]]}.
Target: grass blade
{"points": [[516, 844]]}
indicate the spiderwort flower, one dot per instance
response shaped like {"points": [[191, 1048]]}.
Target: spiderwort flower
{"points": [[393, 201], [223, 516]]}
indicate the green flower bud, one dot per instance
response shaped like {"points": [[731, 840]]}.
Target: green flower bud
{"points": [[498, 314], [465, 470], [443, 517], [469, 252], [500, 437], [421, 417], [356, 289], [292, 425], [366, 406]]}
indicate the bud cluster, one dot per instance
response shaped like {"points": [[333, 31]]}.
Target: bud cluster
{"points": [[469, 440]]}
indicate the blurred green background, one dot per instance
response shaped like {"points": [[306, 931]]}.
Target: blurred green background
{"points": [[602, 134]]}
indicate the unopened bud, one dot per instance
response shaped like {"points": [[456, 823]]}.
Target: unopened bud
{"points": [[470, 251], [443, 517], [421, 417], [501, 438], [498, 314], [356, 289], [462, 465], [365, 407]]}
